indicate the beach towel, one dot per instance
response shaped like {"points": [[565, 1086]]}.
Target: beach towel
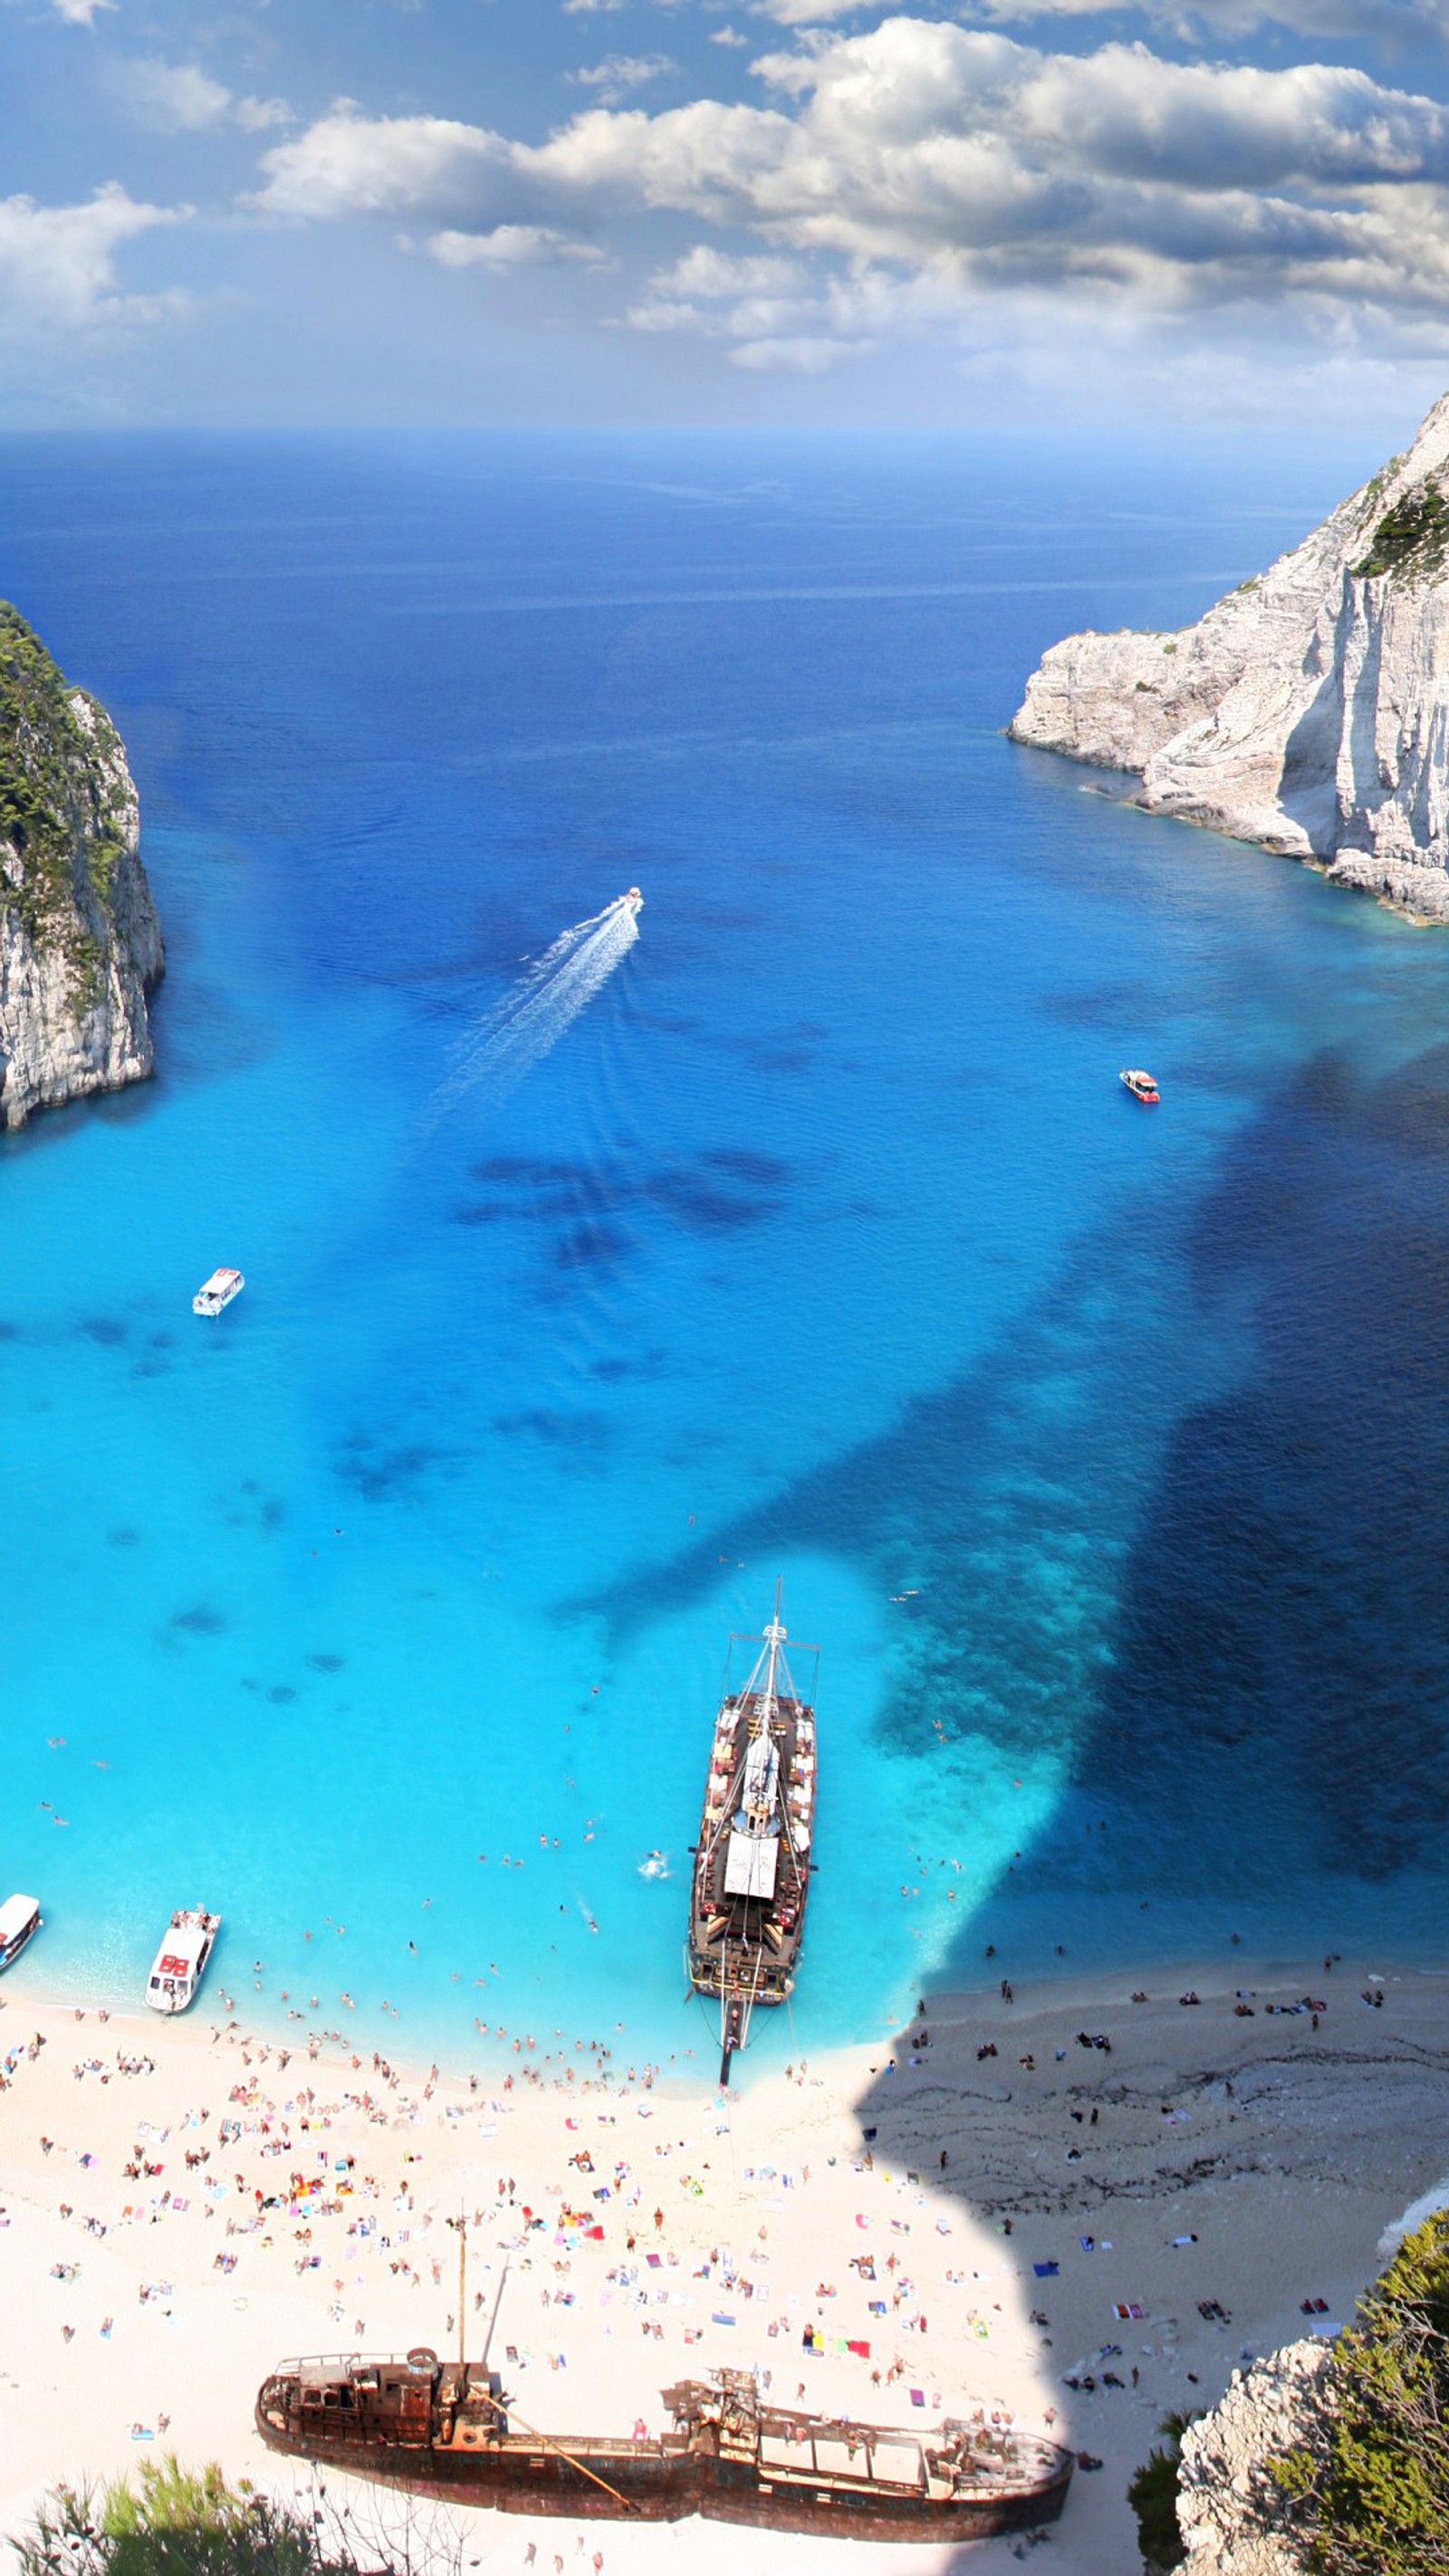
{"points": [[918, 2397], [862, 2350], [1046, 2271], [719, 2318], [1127, 2312]]}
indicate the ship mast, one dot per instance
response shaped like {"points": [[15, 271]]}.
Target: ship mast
{"points": [[774, 1639]]}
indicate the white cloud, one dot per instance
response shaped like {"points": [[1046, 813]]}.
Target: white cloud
{"points": [[57, 263], [618, 74], [258, 115], [922, 167], [511, 246], [813, 13], [1191, 18], [172, 98], [80, 13], [727, 36], [348, 164], [801, 357]]}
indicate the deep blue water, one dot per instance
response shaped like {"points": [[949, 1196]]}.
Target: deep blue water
{"points": [[822, 1245]]}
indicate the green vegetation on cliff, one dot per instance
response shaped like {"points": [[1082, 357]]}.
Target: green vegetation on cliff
{"points": [[1153, 2498], [1378, 2494], [1411, 538], [63, 808], [167, 2520], [1364, 2491]]}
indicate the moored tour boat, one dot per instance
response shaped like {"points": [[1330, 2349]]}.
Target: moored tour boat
{"points": [[1141, 1086], [217, 1291], [179, 1964], [20, 1917], [443, 2429], [752, 1861]]}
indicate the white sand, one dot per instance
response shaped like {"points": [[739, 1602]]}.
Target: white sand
{"points": [[1286, 2187]]}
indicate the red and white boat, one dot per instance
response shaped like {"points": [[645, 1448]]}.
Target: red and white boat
{"points": [[1141, 1086], [217, 1291], [177, 1969]]}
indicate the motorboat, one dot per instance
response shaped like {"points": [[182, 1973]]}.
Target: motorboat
{"points": [[20, 1916], [634, 899], [1141, 1086], [179, 1964], [217, 1291]]}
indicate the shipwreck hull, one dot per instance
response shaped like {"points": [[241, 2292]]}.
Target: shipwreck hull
{"points": [[788, 2474]]}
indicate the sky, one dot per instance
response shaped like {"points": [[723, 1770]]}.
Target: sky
{"points": [[295, 213]]}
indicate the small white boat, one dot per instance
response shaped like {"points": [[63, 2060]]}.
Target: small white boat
{"points": [[19, 1917], [177, 1969], [217, 1291]]}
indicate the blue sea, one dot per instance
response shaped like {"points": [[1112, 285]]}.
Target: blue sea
{"points": [[1104, 1453]]}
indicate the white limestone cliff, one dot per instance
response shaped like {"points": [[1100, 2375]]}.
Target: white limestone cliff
{"points": [[1234, 2517], [80, 945], [1309, 710]]}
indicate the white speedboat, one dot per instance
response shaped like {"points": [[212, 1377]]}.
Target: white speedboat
{"points": [[20, 1916], [217, 1291], [177, 1969]]}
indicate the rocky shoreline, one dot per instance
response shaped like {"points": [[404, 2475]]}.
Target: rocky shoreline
{"points": [[1308, 711]]}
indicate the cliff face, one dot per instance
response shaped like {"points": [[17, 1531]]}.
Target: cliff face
{"points": [[80, 945], [1307, 711], [1234, 2518]]}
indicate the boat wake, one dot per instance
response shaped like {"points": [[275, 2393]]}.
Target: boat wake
{"points": [[521, 1029]]}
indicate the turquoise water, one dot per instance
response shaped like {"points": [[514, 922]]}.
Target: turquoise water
{"points": [[1104, 1453]]}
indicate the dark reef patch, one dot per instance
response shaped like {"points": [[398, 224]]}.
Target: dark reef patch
{"points": [[388, 1470], [743, 1163], [105, 1329], [592, 1247], [621, 1366], [202, 1621], [725, 1190], [1105, 1006], [583, 1431], [326, 1663]]}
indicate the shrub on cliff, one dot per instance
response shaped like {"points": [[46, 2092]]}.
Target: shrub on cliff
{"points": [[1153, 2498], [171, 2521], [1377, 2491]]}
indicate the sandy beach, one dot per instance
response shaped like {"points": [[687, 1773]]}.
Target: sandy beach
{"points": [[1004, 2212]]}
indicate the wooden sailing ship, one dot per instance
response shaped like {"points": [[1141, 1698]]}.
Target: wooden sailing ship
{"points": [[444, 2430], [752, 1861]]}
